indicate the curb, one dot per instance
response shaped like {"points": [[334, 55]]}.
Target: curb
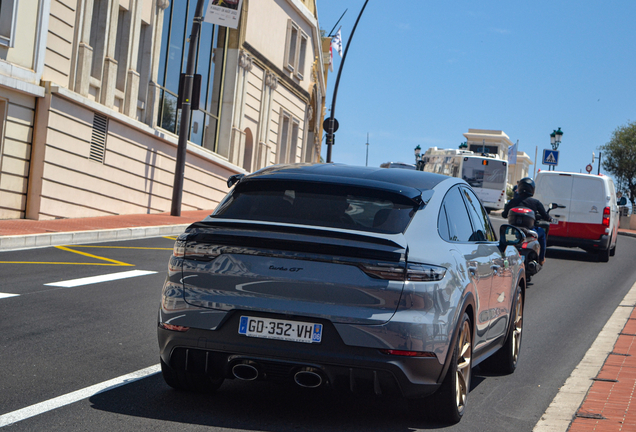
{"points": [[16, 242], [562, 409]]}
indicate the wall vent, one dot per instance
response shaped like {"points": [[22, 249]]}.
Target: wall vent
{"points": [[98, 139]]}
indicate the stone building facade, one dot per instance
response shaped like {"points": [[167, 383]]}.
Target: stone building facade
{"points": [[88, 110]]}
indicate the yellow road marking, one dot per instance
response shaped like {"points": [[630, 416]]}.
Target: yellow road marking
{"points": [[64, 263], [111, 262], [170, 237], [120, 247], [93, 256]]}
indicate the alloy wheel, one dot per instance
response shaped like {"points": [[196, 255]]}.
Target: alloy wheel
{"points": [[464, 362], [517, 327]]}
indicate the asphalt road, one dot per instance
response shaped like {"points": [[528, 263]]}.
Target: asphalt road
{"points": [[57, 340]]}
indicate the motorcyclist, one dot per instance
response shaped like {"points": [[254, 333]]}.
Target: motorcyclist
{"points": [[525, 191]]}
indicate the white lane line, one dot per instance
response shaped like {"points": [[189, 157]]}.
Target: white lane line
{"points": [[7, 295], [97, 279], [67, 399]]}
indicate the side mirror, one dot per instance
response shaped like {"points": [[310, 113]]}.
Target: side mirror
{"points": [[232, 180], [510, 236]]}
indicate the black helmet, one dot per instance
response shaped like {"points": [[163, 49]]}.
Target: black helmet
{"points": [[526, 187]]}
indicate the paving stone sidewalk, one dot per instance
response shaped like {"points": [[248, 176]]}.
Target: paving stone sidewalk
{"points": [[25, 233], [610, 404]]}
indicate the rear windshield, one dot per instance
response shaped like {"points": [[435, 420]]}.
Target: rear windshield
{"points": [[337, 206], [484, 173]]}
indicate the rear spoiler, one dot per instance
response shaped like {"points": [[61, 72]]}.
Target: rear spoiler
{"points": [[258, 235]]}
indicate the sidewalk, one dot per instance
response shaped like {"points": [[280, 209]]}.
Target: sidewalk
{"points": [[608, 405], [24, 233]]}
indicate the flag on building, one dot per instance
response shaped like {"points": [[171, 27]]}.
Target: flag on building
{"points": [[336, 42], [512, 154]]}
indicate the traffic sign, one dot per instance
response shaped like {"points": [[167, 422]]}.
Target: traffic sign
{"points": [[589, 168], [550, 157], [330, 125]]}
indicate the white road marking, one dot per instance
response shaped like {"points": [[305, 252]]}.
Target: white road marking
{"points": [[98, 279], [67, 399], [7, 295]]}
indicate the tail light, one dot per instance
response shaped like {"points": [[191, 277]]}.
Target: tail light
{"points": [[606, 216], [424, 273], [384, 271], [179, 246], [521, 210], [413, 272], [203, 251], [408, 353], [173, 327], [194, 250], [524, 245]]}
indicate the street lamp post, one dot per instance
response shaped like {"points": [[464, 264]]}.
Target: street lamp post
{"points": [[555, 140], [418, 150], [186, 96], [331, 122]]}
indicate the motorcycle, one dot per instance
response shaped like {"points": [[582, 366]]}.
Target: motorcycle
{"points": [[525, 219]]}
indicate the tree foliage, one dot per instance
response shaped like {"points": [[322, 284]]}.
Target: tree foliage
{"points": [[619, 157]]}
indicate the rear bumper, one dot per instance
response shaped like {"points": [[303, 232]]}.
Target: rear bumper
{"points": [[215, 352], [602, 244]]}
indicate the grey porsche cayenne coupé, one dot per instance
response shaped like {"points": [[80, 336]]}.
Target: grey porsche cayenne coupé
{"points": [[367, 279]]}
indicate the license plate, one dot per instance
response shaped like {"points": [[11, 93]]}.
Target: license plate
{"points": [[293, 331]]}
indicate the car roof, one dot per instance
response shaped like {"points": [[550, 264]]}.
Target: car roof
{"points": [[575, 174], [398, 165], [388, 179]]}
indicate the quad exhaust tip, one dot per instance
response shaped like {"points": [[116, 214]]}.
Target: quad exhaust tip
{"points": [[246, 371], [308, 378]]}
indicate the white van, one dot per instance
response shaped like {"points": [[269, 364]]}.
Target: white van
{"points": [[589, 218]]}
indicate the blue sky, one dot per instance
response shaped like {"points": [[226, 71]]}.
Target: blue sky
{"points": [[423, 72]]}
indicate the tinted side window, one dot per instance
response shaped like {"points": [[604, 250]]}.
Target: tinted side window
{"points": [[442, 224], [459, 226], [481, 222]]}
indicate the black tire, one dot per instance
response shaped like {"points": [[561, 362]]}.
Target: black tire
{"points": [[448, 403], [505, 360], [613, 251], [604, 255], [181, 380]]}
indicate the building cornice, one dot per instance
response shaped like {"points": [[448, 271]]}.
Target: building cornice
{"points": [[477, 135], [21, 86]]}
